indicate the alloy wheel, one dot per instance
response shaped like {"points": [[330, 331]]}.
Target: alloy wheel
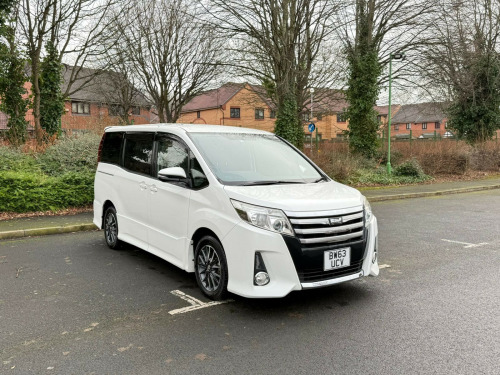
{"points": [[209, 268]]}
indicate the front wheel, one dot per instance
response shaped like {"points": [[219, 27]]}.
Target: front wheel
{"points": [[211, 268], [111, 229]]}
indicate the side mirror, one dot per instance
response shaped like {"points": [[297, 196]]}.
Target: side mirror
{"points": [[172, 174]]}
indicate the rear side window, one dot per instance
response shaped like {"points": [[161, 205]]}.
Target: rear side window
{"points": [[138, 152], [111, 148]]}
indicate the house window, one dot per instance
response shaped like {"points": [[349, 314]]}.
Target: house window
{"points": [[259, 113], [408, 126], [319, 116], [437, 125], [272, 114], [446, 125], [424, 125], [341, 117], [80, 108], [115, 110], [396, 127], [198, 114], [136, 111], [234, 112]]}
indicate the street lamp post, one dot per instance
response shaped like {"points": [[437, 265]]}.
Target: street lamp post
{"points": [[395, 56]]}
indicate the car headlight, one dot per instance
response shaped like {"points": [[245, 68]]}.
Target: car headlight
{"points": [[368, 210], [263, 217]]}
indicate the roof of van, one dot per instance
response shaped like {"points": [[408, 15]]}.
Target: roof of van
{"points": [[188, 128]]}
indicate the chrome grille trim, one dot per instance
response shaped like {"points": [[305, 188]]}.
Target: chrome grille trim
{"points": [[342, 238], [325, 220], [329, 230], [316, 230]]}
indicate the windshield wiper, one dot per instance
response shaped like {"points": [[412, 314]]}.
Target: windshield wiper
{"points": [[277, 182], [321, 179]]}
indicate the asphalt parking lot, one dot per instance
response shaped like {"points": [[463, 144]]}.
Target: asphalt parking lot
{"points": [[69, 305]]}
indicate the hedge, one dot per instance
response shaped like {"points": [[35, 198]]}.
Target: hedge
{"points": [[26, 192]]}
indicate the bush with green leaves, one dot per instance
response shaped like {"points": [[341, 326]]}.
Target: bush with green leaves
{"points": [[26, 192], [71, 154], [13, 159], [409, 168]]}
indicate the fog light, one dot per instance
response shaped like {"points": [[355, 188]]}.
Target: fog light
{"points": [[261, 278]]}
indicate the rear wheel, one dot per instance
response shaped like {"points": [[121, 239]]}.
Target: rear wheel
{"points": [[111, 229], [211, 268]]}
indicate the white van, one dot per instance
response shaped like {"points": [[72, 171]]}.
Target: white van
{"points": [[243, 209]]}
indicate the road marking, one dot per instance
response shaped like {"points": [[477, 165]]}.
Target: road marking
{"points": [[196, 304], [382, 266], [467, 245]]}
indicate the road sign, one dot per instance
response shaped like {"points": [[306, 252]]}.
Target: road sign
{"points": [[311, 127]]}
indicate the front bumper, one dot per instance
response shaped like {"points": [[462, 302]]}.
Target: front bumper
{"points": [[290, 267]]}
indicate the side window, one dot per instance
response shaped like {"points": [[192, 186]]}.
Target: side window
{"points": [[138, 152], [198, 178], [171, 153], [111, 148]]}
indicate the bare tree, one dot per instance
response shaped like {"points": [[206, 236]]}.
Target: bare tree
{"points": [[74, 27], [464, 65], [282, 45], [174, 55]]}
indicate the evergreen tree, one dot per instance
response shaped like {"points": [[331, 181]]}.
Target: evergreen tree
{"points": [[363, 87], [51, 97], [475, 112], [288, 124], [12, 80]]}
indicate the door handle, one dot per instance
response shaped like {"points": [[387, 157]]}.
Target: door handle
{"points": [[153, 188], [143, 186]]}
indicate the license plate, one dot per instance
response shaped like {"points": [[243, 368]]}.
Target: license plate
{"points": [[338, 258]]}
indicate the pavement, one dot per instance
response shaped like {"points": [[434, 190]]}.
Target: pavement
{"points": [[71, 305], [45, 225]]}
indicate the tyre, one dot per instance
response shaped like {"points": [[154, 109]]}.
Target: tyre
{"points": [[211, 268], [111, 229]]}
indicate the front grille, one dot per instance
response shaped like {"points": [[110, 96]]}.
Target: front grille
{"points": [[319, 231], [318, 274]]}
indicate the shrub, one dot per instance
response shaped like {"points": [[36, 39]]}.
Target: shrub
{"points": [[71, 154], [381, 157], [380, 177], [409, 168], [25, 192], [13, 159], [484, 159]]}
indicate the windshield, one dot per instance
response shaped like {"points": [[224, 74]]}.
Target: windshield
{"points": [[253, 159]]}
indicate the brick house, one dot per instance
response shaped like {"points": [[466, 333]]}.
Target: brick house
{"points": [[95, 101], [232, 104], [423, 119], [246, 105], [383, 115]]}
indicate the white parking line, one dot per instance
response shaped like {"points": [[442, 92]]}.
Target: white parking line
{"points": [[467, 245], [382, 266], [195, 303]]}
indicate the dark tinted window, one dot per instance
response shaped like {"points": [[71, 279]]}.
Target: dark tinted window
{"points": [[138, 152], [111, 148], [172, 153]]}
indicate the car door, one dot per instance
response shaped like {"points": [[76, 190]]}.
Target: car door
{"points": [[133, 188], [169, 203]]}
